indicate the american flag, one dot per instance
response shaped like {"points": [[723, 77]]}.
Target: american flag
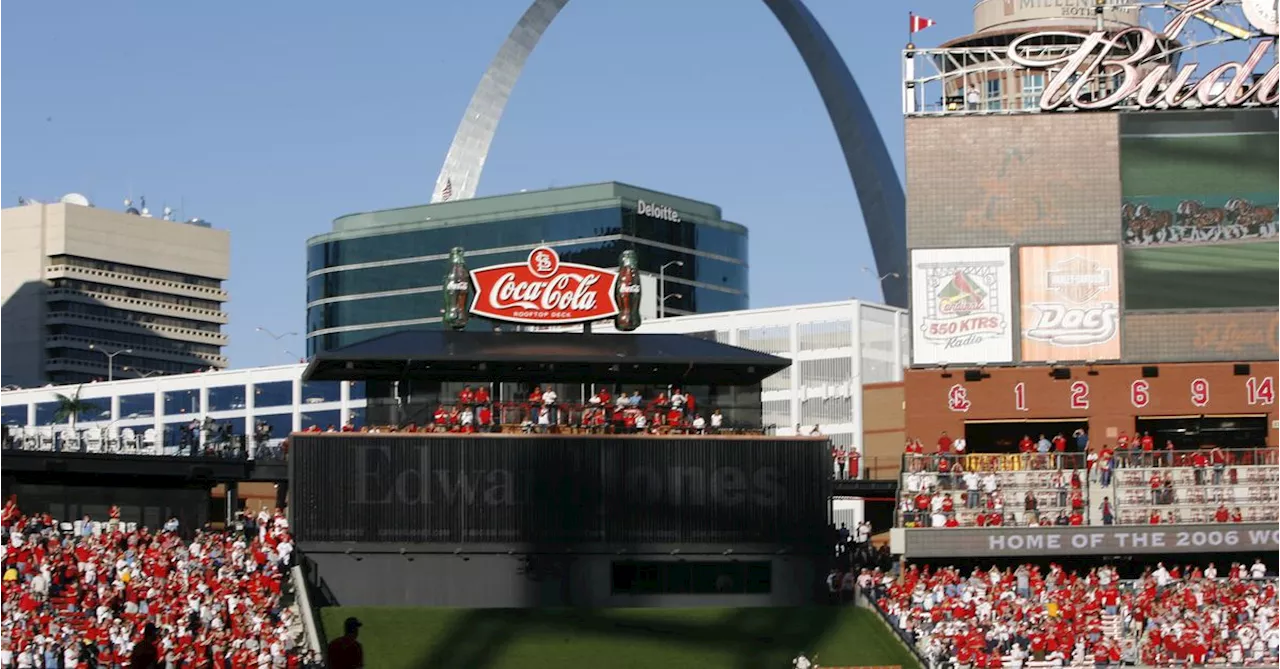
{"points": [[447, 192]]}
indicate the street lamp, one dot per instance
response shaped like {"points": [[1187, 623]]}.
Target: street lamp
{"points": [[273, 335], [662, 286], [884, 276], [663, 303], [277, 338], [111, 359]]}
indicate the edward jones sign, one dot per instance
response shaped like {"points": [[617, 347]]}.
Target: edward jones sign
{"points": [[1105, 540], [544, 291]]}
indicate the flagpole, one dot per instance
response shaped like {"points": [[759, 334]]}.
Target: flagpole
{"points": [[911, 21]]}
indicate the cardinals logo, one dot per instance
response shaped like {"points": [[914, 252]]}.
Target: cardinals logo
{"points": [[958, 398]]}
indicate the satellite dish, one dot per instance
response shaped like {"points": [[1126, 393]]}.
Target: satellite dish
{"points": [[76, 199]]}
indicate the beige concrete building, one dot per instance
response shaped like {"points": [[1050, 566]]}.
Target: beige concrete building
{"points": [[92, 293]]}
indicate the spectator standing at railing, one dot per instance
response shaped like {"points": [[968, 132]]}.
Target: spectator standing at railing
{"points": [[1218, 460], [1148, 445], [1200, 463], [466, 396]]}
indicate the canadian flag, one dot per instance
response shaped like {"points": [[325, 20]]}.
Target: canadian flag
{"points": [[919, 23]]}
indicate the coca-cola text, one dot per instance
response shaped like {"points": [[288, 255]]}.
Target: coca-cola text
{"points": [[544, 291]]}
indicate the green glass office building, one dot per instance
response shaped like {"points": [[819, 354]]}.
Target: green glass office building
{"points": [[380, 272]]}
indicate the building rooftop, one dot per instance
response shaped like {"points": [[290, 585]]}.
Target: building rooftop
{"points": [[512, 205]]}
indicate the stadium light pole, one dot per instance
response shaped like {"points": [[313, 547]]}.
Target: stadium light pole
{"points": [[662, 286], [111, 359]]}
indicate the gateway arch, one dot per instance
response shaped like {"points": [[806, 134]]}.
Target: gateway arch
{"points": [[880, 193]]}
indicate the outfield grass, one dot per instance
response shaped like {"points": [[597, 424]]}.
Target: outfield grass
{"points": [[1198, 166], [763, 638], [1200, 276]]}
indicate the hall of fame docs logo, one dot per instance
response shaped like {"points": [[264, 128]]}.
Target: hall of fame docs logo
{"points": [[963, 305], [1078, 320]]}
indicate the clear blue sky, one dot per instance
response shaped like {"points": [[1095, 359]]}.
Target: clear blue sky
{"points": [[271, 119]]}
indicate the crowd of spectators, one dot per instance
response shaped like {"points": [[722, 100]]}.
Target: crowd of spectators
{"points": [[84, 594], [1170, 616], [1045, 483], [474, 411]]}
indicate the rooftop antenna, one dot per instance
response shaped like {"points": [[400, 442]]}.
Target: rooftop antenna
{"points": [[168, 213]]}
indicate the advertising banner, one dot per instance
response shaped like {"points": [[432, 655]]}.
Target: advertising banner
{"points": [[1070, 303], [558, 490], [545, 291], [961, 306], [1112, 540]]}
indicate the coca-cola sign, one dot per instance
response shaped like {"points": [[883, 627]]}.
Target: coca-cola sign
{"points": [[544, 291], [1140, 70]]}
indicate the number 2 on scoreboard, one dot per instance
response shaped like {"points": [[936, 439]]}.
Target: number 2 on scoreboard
{"points": [[1079, 395], [1260, 391], [1020, 396]]}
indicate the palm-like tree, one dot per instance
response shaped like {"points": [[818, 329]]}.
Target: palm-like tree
{"points": [[70, 408]]}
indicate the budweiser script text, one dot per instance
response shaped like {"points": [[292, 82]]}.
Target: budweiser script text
{"points": [[1140, 80]]}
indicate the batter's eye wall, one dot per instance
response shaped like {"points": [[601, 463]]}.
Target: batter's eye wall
{"points": [[1109, 400], [1013, 180], [559, 490]]}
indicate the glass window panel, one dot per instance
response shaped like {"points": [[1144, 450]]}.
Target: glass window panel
{"points": [[273, 394], [357, 417], [45, 412], [703, 237], [97, 409], [226, 398], [322, 419], [357, 390], [178, 402], [317, 392], [281, 424], [14, 414], [142, 405]]}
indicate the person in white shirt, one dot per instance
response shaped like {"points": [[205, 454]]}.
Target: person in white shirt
{"points": [[959, 445], [802, 662], [717, 420], [467, 417], [700, 424], [544, 419], [549, 398], [642, 423], [677, 400], [1258, 570]]}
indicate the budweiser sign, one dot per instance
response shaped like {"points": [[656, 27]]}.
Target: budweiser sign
{"points": [[1138, 69], [544, 291]]}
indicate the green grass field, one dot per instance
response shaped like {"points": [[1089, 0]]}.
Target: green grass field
{"points": [[1196, 276], [720, 638], [1198, 166]]}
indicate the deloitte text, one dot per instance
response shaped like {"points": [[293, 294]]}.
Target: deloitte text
{"points": [[657, 211]]}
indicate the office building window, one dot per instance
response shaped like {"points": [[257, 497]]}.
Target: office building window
{"points": [[226, 398], [1032, 88], [994, 102], [15, 414], [273, 394], [177, 402], [316, 392]]}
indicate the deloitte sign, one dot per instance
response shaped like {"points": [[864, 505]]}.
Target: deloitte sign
{"points": [[659, 211]]}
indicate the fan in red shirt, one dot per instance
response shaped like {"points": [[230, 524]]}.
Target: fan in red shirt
{"points": [[944, 444], [1025, 445], [1060, 443], [466, 396], [482, 396], [1222, 515]]}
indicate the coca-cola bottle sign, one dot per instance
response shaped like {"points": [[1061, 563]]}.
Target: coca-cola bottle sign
{"points": [[544, 291]]}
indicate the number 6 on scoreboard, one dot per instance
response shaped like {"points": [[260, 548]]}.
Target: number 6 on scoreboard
{"points": [[1140, 393], [1079, 395]]}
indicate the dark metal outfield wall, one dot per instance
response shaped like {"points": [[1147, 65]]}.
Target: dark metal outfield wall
{"points": [[558, 490]]}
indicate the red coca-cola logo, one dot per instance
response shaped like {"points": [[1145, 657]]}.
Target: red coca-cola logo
{"points": [[544, 291]]}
